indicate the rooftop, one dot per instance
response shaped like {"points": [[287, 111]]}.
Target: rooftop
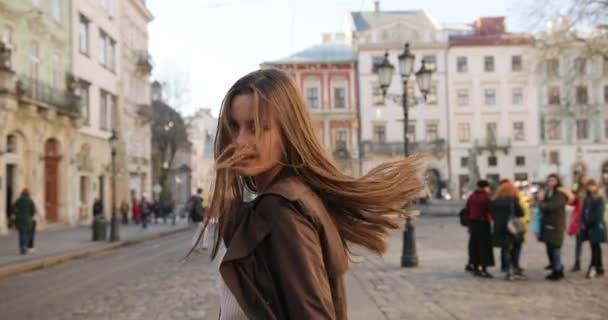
{"points": [[320, 53]]}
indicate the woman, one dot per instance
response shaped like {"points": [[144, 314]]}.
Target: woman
{"points": [[124, 211], [574, 226], [287, 250], [480, 218], [593, 226], [506, 203], [24, 210], [553, 224]]}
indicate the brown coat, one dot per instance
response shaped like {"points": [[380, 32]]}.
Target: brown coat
{"points": [[285, 258]]}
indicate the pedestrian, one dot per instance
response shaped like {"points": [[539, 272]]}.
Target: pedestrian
{"points": [[574, 225], [553, 223], [24, 210], [136, 211], [505, 206], [196, 208], [593, 226], [287, 250], [124, 211], [145, 208], [479, 217], [97, 208]]}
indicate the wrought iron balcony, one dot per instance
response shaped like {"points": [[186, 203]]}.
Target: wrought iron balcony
{"points": [[144, 62], [436, 146], [492, 145], [37, 90]]}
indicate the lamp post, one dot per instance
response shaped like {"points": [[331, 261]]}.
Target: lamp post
{"points": [[409, 257], [114, 222]]}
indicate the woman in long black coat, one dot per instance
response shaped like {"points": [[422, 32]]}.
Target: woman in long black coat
{"points": [[505, 205]]}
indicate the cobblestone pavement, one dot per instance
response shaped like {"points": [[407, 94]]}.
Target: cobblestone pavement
{"points": [[440, 289]]}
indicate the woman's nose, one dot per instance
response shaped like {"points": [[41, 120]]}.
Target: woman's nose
{"points": [[242, 138]]}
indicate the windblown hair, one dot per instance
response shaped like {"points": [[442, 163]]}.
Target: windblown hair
{"points": [[507, 190], [364, 209]]}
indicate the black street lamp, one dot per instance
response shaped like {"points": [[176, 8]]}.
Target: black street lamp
{"points": [[409, 257], [114, 222]]}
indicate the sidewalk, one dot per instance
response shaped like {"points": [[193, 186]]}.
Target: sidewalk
{"points": [[60, 245]]}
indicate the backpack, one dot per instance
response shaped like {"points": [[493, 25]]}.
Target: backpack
{"points": [[464, 217]]}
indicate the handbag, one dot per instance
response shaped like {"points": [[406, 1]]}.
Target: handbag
{"points": [[514, 225]]}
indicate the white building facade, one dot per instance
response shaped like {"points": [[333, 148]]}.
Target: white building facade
{"points": [[381, 121], [493, 117]]}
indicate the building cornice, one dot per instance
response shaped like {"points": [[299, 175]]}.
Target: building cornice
{"points": [[142, 9]]}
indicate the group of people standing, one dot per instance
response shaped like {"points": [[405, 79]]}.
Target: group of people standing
{"points": [[501, 220], [142, 211]]}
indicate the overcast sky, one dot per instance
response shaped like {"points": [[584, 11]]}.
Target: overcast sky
{"points": [[214, 42]]}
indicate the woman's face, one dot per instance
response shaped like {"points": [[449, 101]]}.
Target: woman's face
{"points": [[552, 182], [266, 153]]}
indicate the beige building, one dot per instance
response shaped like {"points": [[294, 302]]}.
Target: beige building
{"points": [[134, 100], [39, 113], [202, 127], [95, 51]]}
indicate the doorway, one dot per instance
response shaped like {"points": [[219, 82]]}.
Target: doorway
{"points": [[11, 171], [51, 179]]}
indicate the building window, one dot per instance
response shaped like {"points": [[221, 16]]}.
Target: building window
{"points": [[379, 133], [7, 35], [430, 62], [339, 97], [519, 133], [462, 65], [606, 94], [411, 131], [517, 96], [552, 68], [431, 97], [312, 97], [553, 95], [85, 100], [376, 62], [464, 162], [107, 50], [83, 35], [516, 63], [36, 3], [606, 129], [582, 97], [582, 129], [520, 161], [580, 64], [103, 110], [377, 97], [491, 132], [492, 161], [488, 63], [11, 143], [554, 129], [57, 72], [464, 132], [56, 10], [34, 65], [463, 97], [605, 66], [431, 132], [490, 97], [340, 139], [554, 157], [522, 176]]}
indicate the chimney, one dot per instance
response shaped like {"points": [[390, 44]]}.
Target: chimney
{"points": [[157, 91], [340, 37], [377, 6], [326, 38], [490, 26]]}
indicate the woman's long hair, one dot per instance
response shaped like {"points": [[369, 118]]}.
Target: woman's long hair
{"points": [[363, 209]]}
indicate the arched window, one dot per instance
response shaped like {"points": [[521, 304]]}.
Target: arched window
{"points": [[11, 143]]}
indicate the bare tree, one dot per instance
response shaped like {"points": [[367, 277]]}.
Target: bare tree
{"points": [[175, 81]]}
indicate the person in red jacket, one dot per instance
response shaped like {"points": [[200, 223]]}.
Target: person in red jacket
{"points": [[479, 217], [574, 228]]}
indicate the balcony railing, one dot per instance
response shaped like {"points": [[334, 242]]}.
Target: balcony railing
{"points": [[492, 145], [392, 148], [144, 62], [38, 90]]}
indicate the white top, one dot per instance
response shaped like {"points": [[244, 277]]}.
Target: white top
{"points": [[229, 307]]}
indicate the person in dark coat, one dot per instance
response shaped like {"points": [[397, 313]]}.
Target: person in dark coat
{"points": [[505, 205], [553, 223], [97, 208], [593, 227], [24, 210], [479, 217]]}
